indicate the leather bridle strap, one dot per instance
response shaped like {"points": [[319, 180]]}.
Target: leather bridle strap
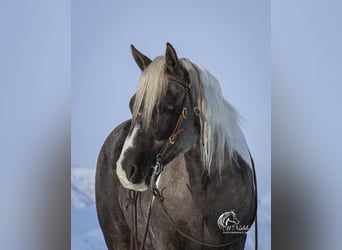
{"points": [[159, 165], [133, 196], [182, 116], [188, 87], [179, 80]]}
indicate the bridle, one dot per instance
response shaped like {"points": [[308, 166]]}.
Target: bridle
{"points": [[158, 168], [184, 114]]}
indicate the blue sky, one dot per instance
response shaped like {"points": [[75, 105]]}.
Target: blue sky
{"points": [[231, 39]]}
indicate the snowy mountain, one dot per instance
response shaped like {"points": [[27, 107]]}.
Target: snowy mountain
{"points": [[85, 230], [82, 187]]}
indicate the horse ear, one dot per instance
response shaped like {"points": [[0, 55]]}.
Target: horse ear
{"points": [[171, 58], [142, 60]]}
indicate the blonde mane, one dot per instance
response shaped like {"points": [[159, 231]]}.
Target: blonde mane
{"points": [[220, 134], [151, 90]]}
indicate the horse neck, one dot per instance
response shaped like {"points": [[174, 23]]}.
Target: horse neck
{"points": [[199, 180]]}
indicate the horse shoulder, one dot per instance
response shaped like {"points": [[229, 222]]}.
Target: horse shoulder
{"points": [[111, 220]]}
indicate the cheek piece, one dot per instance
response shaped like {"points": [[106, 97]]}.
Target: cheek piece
{"points": [[160, 158]]}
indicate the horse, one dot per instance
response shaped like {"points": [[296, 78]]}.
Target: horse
{"points": [[180, 162]]}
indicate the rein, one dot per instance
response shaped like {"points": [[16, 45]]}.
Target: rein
{"points": [[158, 168]]}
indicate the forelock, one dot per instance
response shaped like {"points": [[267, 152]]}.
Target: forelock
{"points": [[151, 90]]}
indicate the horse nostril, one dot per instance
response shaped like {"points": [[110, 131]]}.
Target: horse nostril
{"points": [[131, 171]]}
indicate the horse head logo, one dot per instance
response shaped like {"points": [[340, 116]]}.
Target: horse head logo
{"points": [[227, 221]]}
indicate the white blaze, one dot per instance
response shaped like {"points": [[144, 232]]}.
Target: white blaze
{"points": [[129, 143]]}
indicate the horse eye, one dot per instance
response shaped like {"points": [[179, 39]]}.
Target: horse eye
{"points": [[166, 109]]}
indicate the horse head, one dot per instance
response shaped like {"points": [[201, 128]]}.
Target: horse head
{"points": [[164, 97]]}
